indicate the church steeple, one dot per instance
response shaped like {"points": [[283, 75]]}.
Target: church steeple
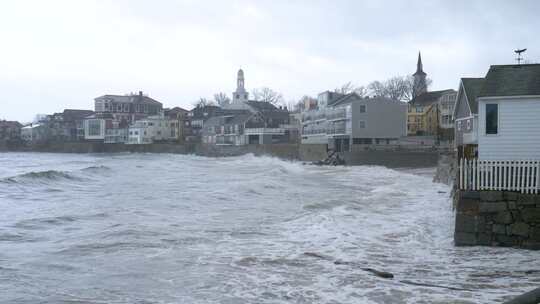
{"points": [[240, 95], [240, 81], [420, 84]]}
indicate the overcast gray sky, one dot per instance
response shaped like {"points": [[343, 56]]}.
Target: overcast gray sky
{"points": [[62, 54]]}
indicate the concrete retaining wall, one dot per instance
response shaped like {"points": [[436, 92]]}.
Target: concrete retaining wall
{"points": [[393, 159], [497, 218], [312, 152], [285, 151]]}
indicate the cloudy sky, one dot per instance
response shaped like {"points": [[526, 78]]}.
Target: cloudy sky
{"points": [[62, 54]]}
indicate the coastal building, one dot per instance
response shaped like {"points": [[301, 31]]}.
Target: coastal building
{"points": [[430, 113], [196, 119], [103, 127], [156, 128], [128, 108], [348, 122], [35, 133], [179, 123], [499, 185], [466, 117], [497, 116], [68, 125], [508, 113], [114, 114], [245, 121], [10, 130]]}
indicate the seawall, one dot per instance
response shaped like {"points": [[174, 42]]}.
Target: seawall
{"points": [[308, 153], [393, 159], [497, 218]]}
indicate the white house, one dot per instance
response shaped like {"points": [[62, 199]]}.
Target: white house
{"points": [[151, 129], [509, 113], [34, 133]]}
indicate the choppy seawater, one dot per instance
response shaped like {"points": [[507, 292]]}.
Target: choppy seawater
{"points": [[158, 228]]}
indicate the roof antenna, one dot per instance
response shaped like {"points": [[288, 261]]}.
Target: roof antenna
{"points": [[518, 52]]}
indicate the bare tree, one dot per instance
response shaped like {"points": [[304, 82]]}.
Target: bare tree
{"points": [[267, 95], [417, 86], [377, 88], [221, 99], [346, 88], [203, 102], [349, 87], [399, 88]]}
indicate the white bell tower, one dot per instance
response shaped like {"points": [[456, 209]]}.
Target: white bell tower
{"points": [[240, 95]]}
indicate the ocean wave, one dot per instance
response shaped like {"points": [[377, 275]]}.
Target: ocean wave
{"points": [[95, 169], [40, 176]]}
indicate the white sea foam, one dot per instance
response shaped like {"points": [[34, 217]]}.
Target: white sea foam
{"points": [[179, 228]]}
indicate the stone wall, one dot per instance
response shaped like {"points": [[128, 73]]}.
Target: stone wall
{"points": [[497, 218]]}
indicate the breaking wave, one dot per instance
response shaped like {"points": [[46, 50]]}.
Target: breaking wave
{"points": [[36, 176]]}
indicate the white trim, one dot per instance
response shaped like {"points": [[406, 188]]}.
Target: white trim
{"points": [[464, 118], [461, 89], [498, 119], [507, 97]]}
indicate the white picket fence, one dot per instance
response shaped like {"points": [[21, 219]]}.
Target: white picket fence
{"points": [[510, 175]]}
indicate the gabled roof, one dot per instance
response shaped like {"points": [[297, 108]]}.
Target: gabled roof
{"points": [[471, 88], [10, 123], [226, 120], [262, 106], [512, 80], [130, 98], [428, 98], [347, 98], [72, 114]]}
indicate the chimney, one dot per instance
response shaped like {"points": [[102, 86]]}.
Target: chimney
{"points": [[140, 93]]}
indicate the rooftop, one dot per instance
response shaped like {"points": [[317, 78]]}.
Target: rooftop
{"points": [[512, 80]]}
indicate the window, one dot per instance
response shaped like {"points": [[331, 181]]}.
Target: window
{"points": [[459, 125], [468, 124], [94, 127], [362, 124], [492, 118], [362, 108], [362, 141]]}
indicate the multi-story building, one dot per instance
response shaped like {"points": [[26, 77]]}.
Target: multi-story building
{"points": [[114, 113], [10, 130], [179, 122], [128, 108], [152, 129], [247, 121], [35, 133], [431, 112], [68, 125], [346, 122]]}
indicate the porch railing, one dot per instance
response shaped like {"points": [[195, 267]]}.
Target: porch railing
{"points": [[499, 175]]}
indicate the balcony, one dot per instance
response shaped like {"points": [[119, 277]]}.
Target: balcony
{"points": [[266, 131], [336, 114], [470, 138]]}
